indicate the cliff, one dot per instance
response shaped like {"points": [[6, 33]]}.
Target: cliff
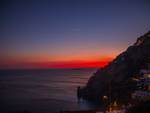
{"points": [[116, 77]]}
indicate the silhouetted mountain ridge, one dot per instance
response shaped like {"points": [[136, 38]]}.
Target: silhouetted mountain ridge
{"points": [[118, 73]]}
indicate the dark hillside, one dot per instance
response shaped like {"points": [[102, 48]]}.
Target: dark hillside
{"points": [[118, 74]]}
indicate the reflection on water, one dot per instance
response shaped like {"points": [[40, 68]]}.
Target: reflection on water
{"points": [[42, 90]]}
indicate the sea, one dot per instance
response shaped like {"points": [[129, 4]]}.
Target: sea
{"points": [[43, 90]]}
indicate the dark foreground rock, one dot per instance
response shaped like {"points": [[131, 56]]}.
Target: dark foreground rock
{"points": [[143, 107], [116, 77]]}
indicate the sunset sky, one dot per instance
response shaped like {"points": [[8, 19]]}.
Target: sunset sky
{"points": [[68, 33]]}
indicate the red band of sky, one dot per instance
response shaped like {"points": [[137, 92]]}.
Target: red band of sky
{"points": [[69, 64]]}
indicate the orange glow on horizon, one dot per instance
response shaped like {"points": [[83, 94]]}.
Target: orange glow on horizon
{"points": [[73, 64], [59, 64]]}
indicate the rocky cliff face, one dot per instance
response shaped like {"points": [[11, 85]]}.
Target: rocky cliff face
{"points": [[116, 77]]}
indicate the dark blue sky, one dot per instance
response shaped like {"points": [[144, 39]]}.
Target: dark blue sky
{"points": [[66, 30]]}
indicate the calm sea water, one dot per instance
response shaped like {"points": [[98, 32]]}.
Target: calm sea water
{"points": [[42, 91]]}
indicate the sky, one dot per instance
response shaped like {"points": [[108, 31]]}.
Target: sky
{"points": [[68, 33]]}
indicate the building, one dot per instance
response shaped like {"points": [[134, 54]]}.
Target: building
{"points": [[143, 84]]}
